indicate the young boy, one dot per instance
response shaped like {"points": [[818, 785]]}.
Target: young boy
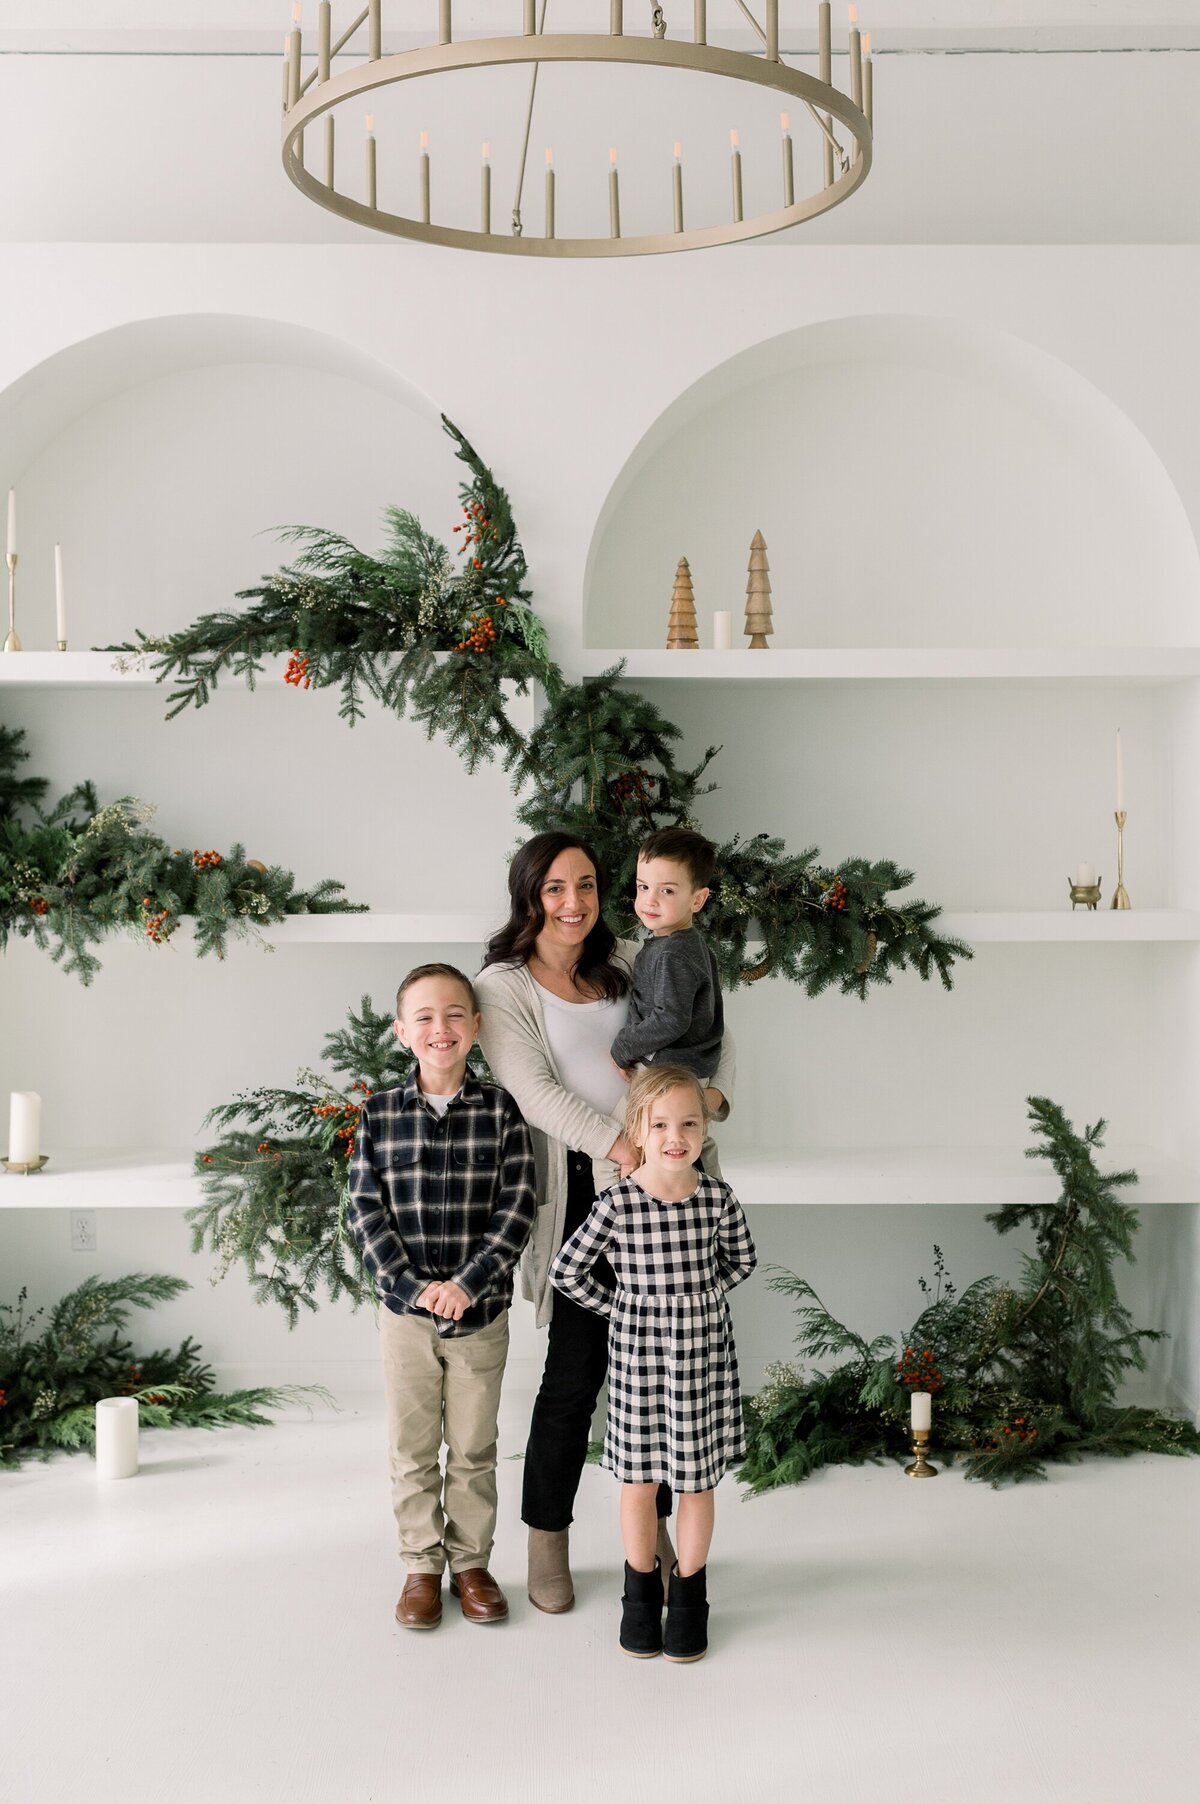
{"points": [[441, 1204], [675, 1012]]}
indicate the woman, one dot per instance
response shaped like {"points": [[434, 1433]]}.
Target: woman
{"points": [[554, 994]]}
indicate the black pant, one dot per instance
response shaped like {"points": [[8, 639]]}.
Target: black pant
{"points": [[576, 1362]]}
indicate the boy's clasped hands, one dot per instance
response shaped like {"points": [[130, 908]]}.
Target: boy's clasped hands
{"points": [[445, 1298]]}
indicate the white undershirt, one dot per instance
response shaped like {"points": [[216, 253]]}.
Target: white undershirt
{"points": [[580, 1034], [439, 1104]]}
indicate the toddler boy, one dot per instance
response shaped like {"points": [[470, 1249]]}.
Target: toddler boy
{"points": [[441, 1204], [675, 1011]]}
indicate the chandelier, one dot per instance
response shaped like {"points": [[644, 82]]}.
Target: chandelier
{"points": [[312, 98]]}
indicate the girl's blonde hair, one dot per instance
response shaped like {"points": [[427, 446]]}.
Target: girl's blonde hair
{"points": [[649, 1086]]}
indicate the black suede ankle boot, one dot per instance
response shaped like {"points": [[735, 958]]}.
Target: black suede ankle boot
{"points": [[686, 1635], [641, 1613]]}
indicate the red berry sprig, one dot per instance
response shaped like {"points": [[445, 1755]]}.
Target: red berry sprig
{"points": [[156, 928], [919, 1371], [39, 906], [632, 786], [482, 635], [297, 672], [836, 895], [206, 861]]}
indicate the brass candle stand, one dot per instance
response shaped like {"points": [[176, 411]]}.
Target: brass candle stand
{"points": [[920, 1467], [25, 1168], [1120, 894], [1087, 893], [12, 643]]}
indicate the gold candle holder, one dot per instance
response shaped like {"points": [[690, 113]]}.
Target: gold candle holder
{"points": [[920, 1467], [1088, 893], [1120, 894], [25, 1168], [12, 643]]}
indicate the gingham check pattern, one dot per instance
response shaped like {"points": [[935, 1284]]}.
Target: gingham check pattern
{"points": [[674, 1403], [449, 1198]]}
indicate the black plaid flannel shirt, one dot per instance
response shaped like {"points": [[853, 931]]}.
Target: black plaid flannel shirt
{"points": [[449, 1198]]}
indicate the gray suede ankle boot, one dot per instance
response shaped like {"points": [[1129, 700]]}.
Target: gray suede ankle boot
{"points": [[550, 1587]]}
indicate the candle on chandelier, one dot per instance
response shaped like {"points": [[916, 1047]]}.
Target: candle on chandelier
{"points": [[921, 1405], [485, 189], [372, 191], [825, 70], [324, 35], [292, 46], [425, 178], [868, 80], [855, 58], [549, 193], [614, 196], [677, 187], [735, 157], [789, 169], [60, 606], [1120, 775], [12, 522]]}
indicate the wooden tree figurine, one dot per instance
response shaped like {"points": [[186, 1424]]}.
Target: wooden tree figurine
{"points": [[681, 625], [758, 596]]}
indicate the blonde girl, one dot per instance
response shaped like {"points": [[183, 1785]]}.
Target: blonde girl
{"points": [[677, 1242]]}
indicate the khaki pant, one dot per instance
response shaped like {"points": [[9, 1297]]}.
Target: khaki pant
{"points": [[439, 1389]]}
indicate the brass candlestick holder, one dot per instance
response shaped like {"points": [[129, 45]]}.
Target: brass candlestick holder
{"points": [[1088, 893], [12, 643], [1120, 894], [920, 1467], [25, 1168]]}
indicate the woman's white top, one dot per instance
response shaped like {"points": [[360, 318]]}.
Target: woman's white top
{"points": [[580, 1034]]}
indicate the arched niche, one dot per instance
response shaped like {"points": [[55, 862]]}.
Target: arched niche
{"points": [[918, 481]]}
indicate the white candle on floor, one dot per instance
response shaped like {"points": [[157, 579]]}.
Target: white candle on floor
{"points": [[24, 1122], [116, 1437], [922, 1410]]}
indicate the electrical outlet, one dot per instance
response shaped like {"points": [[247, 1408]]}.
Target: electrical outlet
{"points": [[83, 1231]]}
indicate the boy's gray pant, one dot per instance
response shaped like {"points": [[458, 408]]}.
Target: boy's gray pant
{"points": [[439, 1389]]}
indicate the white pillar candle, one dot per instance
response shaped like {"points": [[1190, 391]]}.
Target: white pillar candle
{"points": [[1085, 875], [12, 522], [722, 631], [59, 604], [24, 1125], [922, 1410], [1120, 775], [117, 1437]]}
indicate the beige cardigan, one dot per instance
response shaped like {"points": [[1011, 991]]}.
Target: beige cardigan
{"points": [[514, 1042]]}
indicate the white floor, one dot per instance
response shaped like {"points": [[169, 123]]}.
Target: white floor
{"points": [[220, 1629]]}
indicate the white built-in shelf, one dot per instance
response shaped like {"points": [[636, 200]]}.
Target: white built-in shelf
{"points": [[1120, 664], [971, 1177], [98, 670]]}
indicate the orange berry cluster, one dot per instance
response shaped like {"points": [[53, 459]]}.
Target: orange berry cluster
{"points": [[206, 861], [836, 895], [1019, 1431], [365, 1088], [349, 1127], [482, 636], [919, 1371], [156, 924], [297, 672], [630, 786], [39, 906], [477, 528]]}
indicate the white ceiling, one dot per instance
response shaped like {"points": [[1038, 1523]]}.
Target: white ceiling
{"points": [[1002, 121]]}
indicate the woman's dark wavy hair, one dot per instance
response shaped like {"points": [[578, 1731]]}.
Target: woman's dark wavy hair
{"points": [[526, 916]]}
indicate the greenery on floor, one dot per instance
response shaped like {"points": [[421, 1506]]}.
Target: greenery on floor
{"points": [[276, 1181], [1021, 1374], [73, 873], [52, 1377], [445, 643]]}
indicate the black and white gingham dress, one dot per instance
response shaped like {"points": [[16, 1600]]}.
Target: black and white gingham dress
{"points": [[674, 1405]]}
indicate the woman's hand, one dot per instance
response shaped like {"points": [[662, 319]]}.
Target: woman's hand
{"points": [[715, 1100]]}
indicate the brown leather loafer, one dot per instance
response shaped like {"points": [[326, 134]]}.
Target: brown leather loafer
{"points": [[480, 1596], [420, 1605]]}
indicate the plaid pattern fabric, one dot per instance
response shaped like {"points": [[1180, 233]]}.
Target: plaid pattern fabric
{"points": [[443, 1198], [674, 1403]]}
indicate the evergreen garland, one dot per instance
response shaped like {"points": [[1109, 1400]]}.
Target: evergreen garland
{"points": [[276, 1181], [1022, 1375], [51, 1382], [440, 642], [75, 873]]}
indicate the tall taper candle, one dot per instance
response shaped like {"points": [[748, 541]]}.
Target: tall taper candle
{"points": [[789, 167], [12, 522], [825, 70], [425, 177], [24, 1127], [722, 630], [1120, 775], [324, 33], [60, 606], [614, 197], [855, 58], [375, 30], [677, 188], [329, 130], [736, 162], [868, 80], [372, 172], [922, 1410], [549, 193], [117, 1437], [485, 190], [294, 48]]}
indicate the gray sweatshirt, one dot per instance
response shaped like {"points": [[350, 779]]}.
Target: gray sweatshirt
{"points": [[675, 1012]]}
